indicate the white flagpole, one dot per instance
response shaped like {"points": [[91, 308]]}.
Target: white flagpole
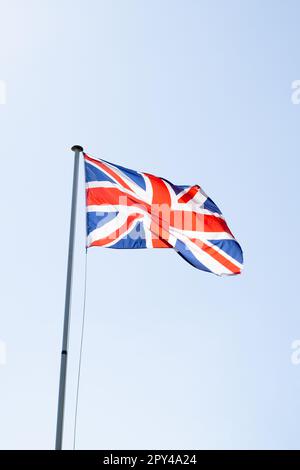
{"points": [[64, 353]]}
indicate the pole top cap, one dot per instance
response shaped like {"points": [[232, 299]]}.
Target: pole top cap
{"points": [[77, 148]]}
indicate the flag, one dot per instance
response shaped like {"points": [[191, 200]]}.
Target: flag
{"points": [[130, 209]]}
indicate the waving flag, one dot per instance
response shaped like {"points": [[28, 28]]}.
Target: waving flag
{"points": [[128, 209]]}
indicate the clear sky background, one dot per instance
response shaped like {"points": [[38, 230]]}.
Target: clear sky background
{"points": [[198, 92]]}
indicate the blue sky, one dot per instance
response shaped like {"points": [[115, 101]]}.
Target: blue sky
{"points": [[198, 92]]}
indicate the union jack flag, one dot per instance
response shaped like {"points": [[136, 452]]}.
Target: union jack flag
{"points": [[129, 209]]}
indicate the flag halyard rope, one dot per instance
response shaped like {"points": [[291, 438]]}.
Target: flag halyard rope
{"points": [[81, 351]]}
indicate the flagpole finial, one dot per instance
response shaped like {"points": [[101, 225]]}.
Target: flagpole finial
{"points": [[77, 148]]}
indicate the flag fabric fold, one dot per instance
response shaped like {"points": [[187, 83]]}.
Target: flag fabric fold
{"points": [[130, 209]]}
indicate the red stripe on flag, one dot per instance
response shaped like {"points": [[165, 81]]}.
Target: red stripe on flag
{"points": [[189, 194], [215, 224], [191, 220], [211, 251], [160, 212], [112, 196]]}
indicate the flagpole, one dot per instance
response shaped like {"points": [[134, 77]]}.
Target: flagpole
{"points": [[77, 149]]}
